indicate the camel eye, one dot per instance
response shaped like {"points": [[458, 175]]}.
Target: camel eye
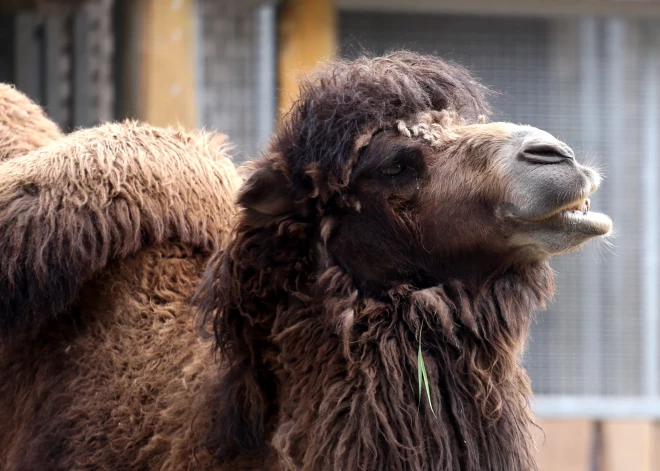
{"points": [[392, 170]]}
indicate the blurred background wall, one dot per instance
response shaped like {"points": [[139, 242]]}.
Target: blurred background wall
{"points": [[588, 71]]}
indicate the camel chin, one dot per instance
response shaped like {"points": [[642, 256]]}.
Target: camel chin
{"points": [[564, 229], [563, 232]]}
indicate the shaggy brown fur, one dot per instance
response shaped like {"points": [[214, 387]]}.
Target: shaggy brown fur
{"points": [[379, 222], [98, 195], [23, 125], [105, 234]]}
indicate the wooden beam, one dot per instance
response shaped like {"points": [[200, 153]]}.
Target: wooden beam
{"points": [[564, 445], [571, 8], [628, 445], [307, 35], [17, 5], [167, 75]]}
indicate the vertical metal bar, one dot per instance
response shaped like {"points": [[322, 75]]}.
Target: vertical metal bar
{"points": [[81, 71], [651, 218], [54, 29], [200, 63], [132, 33], [26, 54], [265, 71], [589, 110], [614, 140]]}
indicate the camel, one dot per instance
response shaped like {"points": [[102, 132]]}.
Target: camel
{"points": [[368, 299]]}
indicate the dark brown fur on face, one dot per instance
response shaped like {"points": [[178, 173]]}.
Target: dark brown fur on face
{"points": [[341, 260]]}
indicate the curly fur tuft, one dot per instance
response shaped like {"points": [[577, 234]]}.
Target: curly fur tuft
{"points": [[348, 99]]}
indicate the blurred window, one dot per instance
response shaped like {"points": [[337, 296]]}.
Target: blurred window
{"points": [[237, 47], [61, 57]]}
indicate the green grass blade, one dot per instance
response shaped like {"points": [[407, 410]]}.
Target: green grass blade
{"points": [[421, 374], [426, 384], [420, 363]]}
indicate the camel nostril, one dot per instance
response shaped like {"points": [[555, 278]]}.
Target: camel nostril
{"points": [[546, 153]]}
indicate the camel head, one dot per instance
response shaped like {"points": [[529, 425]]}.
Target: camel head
{"points": [[386, 201], [409, 183]]}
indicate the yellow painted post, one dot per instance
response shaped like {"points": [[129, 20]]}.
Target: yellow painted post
{"points": [[655, 446], [564, 445], [167, 69], [307, 35], [628, 445]]}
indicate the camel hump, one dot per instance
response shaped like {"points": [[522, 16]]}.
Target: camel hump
{"points": [[102, 194], [23, 124]]}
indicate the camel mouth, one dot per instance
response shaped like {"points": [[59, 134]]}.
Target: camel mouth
{"points": [[577, 208], [579, 216]]}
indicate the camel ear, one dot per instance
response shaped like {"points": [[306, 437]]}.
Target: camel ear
{"points": [[268, 192]]}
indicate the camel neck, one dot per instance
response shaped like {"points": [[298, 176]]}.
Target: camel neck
{"points": [[349, 376]]}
